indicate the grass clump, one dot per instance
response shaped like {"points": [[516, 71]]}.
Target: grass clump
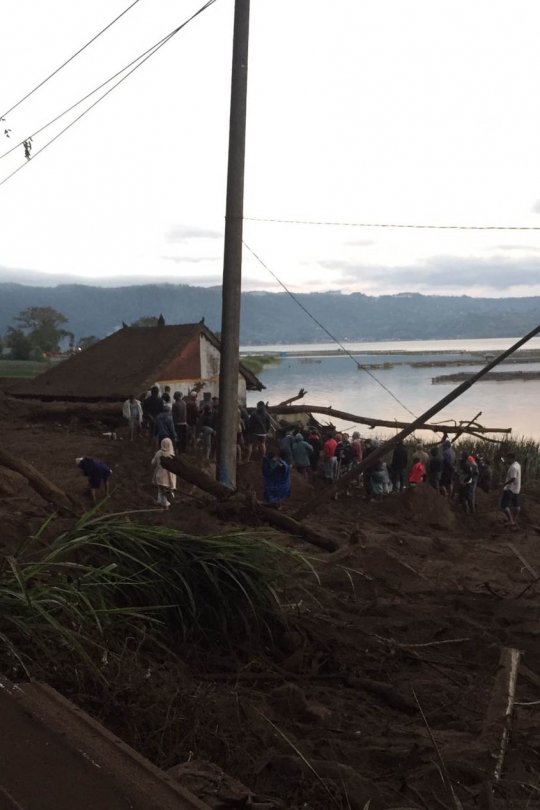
{"points": [[112, 576]]}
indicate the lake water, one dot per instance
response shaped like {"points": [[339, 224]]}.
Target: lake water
{"points": [[336, 381]]}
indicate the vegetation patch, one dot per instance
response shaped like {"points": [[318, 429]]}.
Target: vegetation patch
{"points": [[111, 576], [257, 362]]}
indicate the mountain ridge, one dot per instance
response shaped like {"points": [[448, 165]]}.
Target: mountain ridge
{"points": [[271, 317]]}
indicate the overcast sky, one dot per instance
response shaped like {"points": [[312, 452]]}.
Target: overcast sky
{"points": [[359, 111]]}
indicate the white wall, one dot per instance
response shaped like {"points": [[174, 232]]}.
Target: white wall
{"points": [[210, 358]]}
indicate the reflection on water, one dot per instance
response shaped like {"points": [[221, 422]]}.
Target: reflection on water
{"points": [[337, 382]]}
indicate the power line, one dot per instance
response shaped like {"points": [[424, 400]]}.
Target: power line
{"points": [[149, 53], [390, 225], [330, 335], [58, 69], [84, 98]]}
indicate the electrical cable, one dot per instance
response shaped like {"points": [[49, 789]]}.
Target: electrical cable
{"points": [[387, 225], [330, 335], [58, 69], [149, 53], [84, 98]]}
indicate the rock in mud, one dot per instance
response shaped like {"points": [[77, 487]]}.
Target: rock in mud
{"points": [[290, 701], [426, 506]]}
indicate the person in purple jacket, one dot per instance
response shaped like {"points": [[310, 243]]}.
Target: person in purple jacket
{"points": [[97, 473]]}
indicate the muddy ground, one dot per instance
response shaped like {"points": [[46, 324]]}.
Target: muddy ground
{"points": [[412, 611]]}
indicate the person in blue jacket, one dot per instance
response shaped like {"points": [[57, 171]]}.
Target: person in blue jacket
{"points": [[97, 473], [276, 479], [301, 455]]}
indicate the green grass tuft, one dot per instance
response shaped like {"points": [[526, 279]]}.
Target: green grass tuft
{"points": [[110, 577]]}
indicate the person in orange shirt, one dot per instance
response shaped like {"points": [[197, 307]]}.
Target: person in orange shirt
{"points": [[416, 473], [330, 459]]}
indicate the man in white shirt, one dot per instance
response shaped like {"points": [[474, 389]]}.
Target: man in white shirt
{"points": [[511, 489]]}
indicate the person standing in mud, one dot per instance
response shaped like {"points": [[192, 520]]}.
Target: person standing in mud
{"points": [[164, 425], [179, 415], [370, 446], [259, 428], [465, 481], [485, 474], [448, 469], [417, 472], [162, 478], [207, 426], [192, 417], [330, 460], [434, 469], [314, 439], [276, 479], [133, 414], [344, 453], [302, 452], [423, 457], [511, 490], [285, 448], [398, 467], [152, 406]]}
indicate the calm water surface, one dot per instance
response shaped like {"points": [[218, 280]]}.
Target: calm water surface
{"points": [[336, 381]]}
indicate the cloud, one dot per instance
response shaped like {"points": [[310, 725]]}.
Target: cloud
{"points": [[528, 248], [181, 233], [536, 207], [449, 272], [191, 259]]}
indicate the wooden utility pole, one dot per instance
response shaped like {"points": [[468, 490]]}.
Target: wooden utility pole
{"points": [[232, 262], [381, 451]]}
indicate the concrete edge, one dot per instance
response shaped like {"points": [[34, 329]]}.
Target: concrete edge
{"points": [[101, 747]]}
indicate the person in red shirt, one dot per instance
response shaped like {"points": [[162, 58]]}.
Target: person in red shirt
{"points": [[417, 471], [330, 460]]}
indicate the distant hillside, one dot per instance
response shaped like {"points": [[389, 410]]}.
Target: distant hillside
{"points": [[276, 318]]}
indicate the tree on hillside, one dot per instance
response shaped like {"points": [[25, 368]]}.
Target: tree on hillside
{"points": [[151, 321], [86, 342], [43, 325], [19, 343]]}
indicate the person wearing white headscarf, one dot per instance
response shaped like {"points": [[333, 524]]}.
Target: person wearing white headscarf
{"points": [[164, 480]]}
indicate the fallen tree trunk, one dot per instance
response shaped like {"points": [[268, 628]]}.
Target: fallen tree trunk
{"points": [[496, 728], [49, 491], [365, 420], [197, 477]]}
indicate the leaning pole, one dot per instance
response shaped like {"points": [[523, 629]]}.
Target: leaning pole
{"points": [[381, 451]]}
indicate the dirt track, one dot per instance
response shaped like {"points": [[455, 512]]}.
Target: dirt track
{"points": [[339, 686]]}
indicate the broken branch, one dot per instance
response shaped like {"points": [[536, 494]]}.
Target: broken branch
{"points": [[365, 420]]}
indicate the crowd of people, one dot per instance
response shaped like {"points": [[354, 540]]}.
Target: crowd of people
{"points": [[330, 457], [184, 421], [178, 423]]}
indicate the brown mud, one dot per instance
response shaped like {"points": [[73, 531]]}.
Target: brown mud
{"points": [[412, 610]]}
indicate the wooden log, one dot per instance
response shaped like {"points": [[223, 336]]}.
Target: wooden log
{"points": [[49, 491], [275, 518], [365, 420], [496, 728]]}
